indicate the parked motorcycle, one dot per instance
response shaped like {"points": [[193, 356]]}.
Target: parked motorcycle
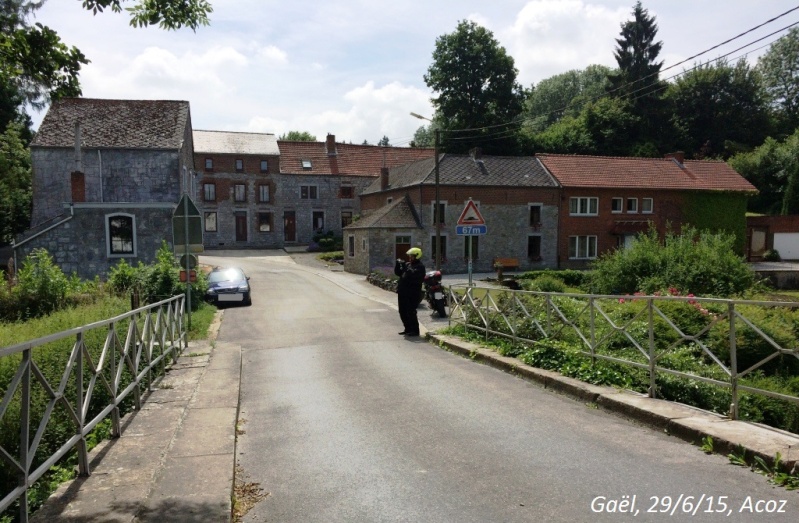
{"points": [[434, 293]]}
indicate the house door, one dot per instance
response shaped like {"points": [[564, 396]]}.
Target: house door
{"points": [[241, 226], [289, 226], [401, 246], [757, 242]]}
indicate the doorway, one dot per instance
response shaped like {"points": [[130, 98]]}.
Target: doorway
{"points": [[241, 226], [289, 226]]}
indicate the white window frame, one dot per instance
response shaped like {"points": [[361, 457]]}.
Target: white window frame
{"points": [[109, 254], [613, 205], [581, 247], [215, 220], [583, 205], [324, 220], [651, 206], [306, 164], [634, 209]]}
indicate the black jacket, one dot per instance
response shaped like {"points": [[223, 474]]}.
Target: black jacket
{"points": [[410, 275]]}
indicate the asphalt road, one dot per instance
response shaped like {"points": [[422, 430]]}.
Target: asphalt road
{"points": [[345, 421]]}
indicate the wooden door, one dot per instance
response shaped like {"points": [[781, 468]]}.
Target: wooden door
{"points": [[289, 226], [241, 226]]}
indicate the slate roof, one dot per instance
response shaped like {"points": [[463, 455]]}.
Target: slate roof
{"points": [[225, 142], [513, 171], [126, 124], [397, 214], [353, 160], [644, 173]]}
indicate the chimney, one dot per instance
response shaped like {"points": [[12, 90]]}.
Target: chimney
{"points": [[330, 144], [476, 153], [679, 156], [383, 178], [77, 178]]}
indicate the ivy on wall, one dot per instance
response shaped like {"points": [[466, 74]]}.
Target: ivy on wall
{"points": [[718, 211]]}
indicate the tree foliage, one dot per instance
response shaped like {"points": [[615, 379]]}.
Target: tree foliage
{"points": [[780, 69], [636, 54], [297, 136], [167, 14], [474, 80], [15, 184]]}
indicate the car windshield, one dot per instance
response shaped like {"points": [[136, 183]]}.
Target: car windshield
{"points": [[225, 275]]}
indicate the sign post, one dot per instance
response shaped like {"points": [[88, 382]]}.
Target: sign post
{"points": [[187, 237], [470, 223]]}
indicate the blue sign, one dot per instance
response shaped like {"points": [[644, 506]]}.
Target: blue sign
{"points": [[470, 230]]}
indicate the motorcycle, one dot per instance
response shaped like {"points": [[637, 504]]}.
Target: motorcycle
{"points": [[434, 293]]}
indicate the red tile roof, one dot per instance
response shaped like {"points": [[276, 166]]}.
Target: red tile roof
{"points": [[349, 159], [649, 173]]}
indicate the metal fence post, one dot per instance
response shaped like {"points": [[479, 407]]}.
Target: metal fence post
{"points": [[592, 317], [24, 432], [116, 426], [652, 359], [83, 452], [733, 362]]}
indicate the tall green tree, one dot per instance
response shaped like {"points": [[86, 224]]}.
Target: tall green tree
{"points": [[168, 14], [423, 137], [719, 110], [297, 136], [780, 69], [15, 184], [384, 142], [474, 80]]}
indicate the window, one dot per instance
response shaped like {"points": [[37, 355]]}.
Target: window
{"points": [[209, 192], [346, 218], [210, 222], [209, 164], [582, 247], [632, 205], [306, 165], [443, 247], [308, 192], [535, 216], [263, 193], [239, 165], [646, 205], [475, 247], [264, 222], [616, 205], [240, 192], [363, 244], [441, 215], [120, 231], [350, 245], [346, 191], [264, 166], [534, 247], [583, 206], [318, 220]]}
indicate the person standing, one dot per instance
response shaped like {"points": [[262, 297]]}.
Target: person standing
{"points": [[409, 289]]}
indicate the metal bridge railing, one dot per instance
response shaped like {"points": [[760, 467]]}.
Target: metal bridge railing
{"points": [[102, 366], [641, 331]]}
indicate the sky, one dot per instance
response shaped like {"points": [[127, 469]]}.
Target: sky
{"points": [[355, 68]]}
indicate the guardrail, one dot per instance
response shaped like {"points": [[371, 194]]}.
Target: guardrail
{"points": [[103, 364], [641, 331]]}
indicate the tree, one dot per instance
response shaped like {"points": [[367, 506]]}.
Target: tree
{"points": [[475, 84], [780, 69], [168, 14], [719, 110], [15, 184], [384, 141], [297, 136], [423, 137]]}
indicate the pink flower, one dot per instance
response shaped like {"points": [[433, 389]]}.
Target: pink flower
{"points": [[621, 300]]}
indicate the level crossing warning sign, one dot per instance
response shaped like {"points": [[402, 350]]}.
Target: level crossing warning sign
{"points": [[471, 222]]}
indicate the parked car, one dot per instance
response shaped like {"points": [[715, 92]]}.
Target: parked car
{"points": [[228, 285]]}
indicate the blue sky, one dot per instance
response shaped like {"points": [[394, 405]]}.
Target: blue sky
{"points": [[355, 68]]}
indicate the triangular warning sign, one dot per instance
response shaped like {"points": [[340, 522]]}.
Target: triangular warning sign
{"points": [[470, 215]]}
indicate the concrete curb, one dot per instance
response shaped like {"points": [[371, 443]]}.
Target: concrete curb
{"points": [[685, 422]]}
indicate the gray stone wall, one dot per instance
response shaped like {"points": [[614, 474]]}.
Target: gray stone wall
{"points": [[379, 248], [79, 245]]}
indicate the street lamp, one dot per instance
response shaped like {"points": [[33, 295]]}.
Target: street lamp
{"points": [[437, 207]]}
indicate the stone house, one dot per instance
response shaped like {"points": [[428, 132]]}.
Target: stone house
{"points": [[319, 183], [107, 175], [606, 201], [517, 197], [236, 189]]}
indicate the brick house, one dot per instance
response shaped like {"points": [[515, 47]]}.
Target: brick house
{"points": [[236, 188], [107, 175], [517, 197], [319, 184], [606, 201]]}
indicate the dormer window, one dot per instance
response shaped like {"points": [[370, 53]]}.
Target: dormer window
{"points": [[306, 165]]}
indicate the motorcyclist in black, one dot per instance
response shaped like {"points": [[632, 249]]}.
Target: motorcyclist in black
{"points": [[409, 289]]}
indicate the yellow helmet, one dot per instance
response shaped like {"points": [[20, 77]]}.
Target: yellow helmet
{"points": [[416, 252]]}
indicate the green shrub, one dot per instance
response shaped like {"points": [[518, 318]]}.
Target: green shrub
{"points": [[772, 255], [41, 285], [122, 278], [544, 283], [570, 277]]}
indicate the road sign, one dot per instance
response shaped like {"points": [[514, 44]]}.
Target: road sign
{"points": [[189, 260], [186, 218], [471, 216], [470, 230]]}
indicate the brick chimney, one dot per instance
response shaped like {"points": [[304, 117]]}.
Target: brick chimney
{"points": [[679, 156], [383, 178], [77, 178], [330, 144]]}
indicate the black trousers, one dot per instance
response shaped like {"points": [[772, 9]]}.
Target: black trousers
{"points": [[407, 303]]}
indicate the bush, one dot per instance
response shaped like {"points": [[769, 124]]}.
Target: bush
{"points": [[544, 283], [696, 262], [570, 277], [41, 286], [772, 255]]}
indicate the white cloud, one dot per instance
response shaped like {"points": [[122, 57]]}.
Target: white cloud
{"points": [[272, 56]]}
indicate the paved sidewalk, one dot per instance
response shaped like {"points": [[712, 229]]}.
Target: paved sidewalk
{"points": [[175, 459]]}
